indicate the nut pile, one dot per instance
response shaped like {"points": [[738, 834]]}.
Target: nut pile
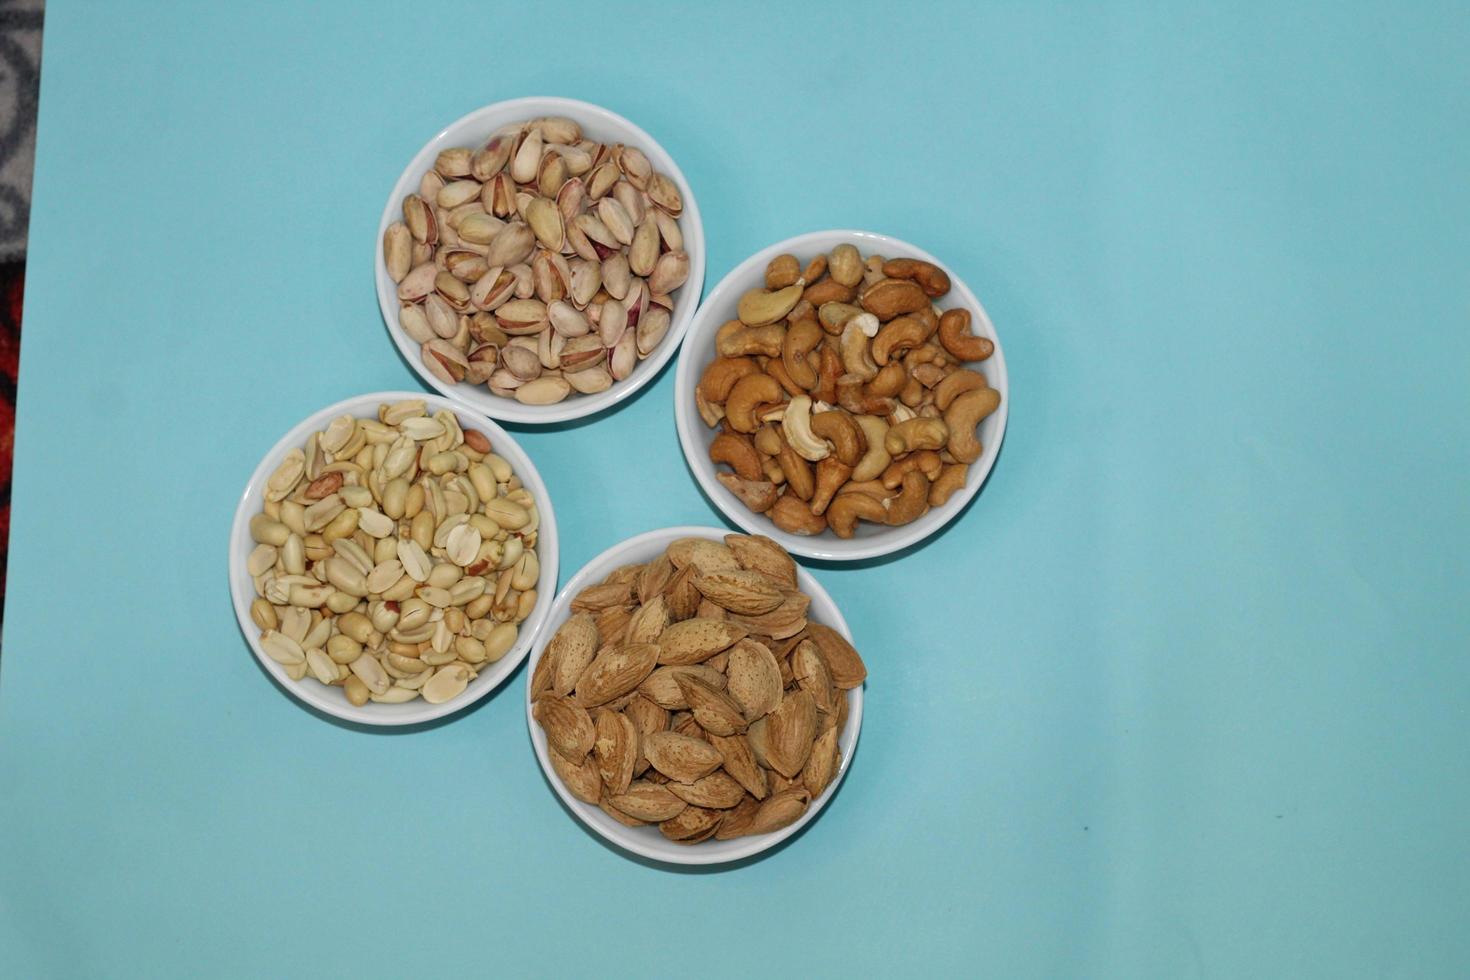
{"points": [[540, 264], [395, 556], [841, 394], [693, 693]]}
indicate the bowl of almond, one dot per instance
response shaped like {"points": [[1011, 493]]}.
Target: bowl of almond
{"points": [[695, 697]]}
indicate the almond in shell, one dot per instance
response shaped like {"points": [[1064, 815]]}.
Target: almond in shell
{"points": [[570, 651], [692, 825], [580, 778], [696, 640], [681, 757], [654, 578], [740, 762], [758, 553], [821, 767], [662, 686], [714, 710], [612, 623], [809, 668], [736, 821], [619, 815], [843, 662], [681, 595], [616, 750], [790, 731], [646, 716], [753, 678], [742, 592], [651, 619], [703, 554], [648, 802], [596, 598], [780, 810], [569, 729], [786, 620], [615, 672], [717, 791]]}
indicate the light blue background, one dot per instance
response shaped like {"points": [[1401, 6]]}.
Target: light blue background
{"points": [[1183, 693]]}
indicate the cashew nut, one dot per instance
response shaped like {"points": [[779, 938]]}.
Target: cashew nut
{"points": [[954, 334], [915, 433], [752, 392], [845, 264], [828, 291], [795, 517], [777, 369], [722, 373], [926, 461], [950, 479], [758, 495], [927, 374], [782, 271], [759, 306], [736, 452], [834, 316], [929, 276], [797, 426], [815, 269], [889, 380], [898, 335], [912, 394], [773, 471], [708, 410], [802, 337], [829, 369], [855, 355], [832, 473], [912, 500], [963, 414], [767, 441], [876, 459], [852, 396], [844, 511], [838, 428], [956, 383], [889, 298], [798, 472], [764, 339], [873, 488]]}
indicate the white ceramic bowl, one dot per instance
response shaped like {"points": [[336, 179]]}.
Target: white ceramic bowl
{"points": [[870, 540], [600, 124], [333, 700], [647, 841]]}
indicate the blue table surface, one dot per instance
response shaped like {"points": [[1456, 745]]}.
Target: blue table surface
{"points": [[1183, 693]]}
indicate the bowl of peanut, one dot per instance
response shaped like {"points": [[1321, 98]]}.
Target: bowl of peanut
{"points": [[842, 392], [392, 558]]}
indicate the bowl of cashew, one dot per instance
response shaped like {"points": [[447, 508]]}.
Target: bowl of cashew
{"points": [[842, 392]]}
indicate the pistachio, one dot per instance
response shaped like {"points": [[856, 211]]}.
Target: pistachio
{"points": [[397, 250], [545, 222], [444, 361], [669, 273], [512, 245]]}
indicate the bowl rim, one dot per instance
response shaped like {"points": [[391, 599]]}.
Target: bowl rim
{"points": [[240, 545], [581, 406], [828, 547], [625, 838]]}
